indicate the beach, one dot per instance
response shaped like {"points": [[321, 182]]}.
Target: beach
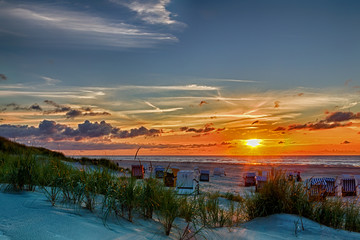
{"points": [[233, 182]]}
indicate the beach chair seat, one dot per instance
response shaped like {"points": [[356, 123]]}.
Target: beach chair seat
{"points": [[260, 182], [186, 184], [137, 171], [249, 179], [348, 187], [330, 186], [317, 188], [204, 175]]}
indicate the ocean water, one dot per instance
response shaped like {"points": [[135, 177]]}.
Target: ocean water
{"points": [[334, 161]]}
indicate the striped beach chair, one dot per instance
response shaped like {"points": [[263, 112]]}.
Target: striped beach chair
{"points": [[348, 187], [260, 182], [204, 175], [330, 186], [316, 189]]}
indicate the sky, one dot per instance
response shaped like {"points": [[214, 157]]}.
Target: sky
{"points": [[181, 77]]}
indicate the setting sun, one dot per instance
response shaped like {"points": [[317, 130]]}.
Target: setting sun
{"points": [[253, 142]]}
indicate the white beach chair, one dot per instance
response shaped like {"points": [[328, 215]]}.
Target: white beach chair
{"points": [[316, 188], [330, 188], [357, 182], [260, 182], [186, 183]]}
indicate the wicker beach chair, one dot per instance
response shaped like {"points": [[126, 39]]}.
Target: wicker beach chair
{"points": [[316, 189], [348, 187], [330, 188], [260, 182], [249, 179], [357, 182], [204, 175], [186, 184], [159, 172], [137, 171]]}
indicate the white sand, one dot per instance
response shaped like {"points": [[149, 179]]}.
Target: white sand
{"points": [[29, 215]]}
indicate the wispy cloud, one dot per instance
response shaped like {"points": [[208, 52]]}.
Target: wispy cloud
{"points": [[151, 11], [85, 27], [50, 81]]}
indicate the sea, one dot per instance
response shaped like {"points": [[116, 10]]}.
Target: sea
{"points": [[331, 161]]}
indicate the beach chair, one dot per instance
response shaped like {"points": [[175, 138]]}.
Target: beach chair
{"points": [[316, 189], [260, 182], [348, 187], [204, 176], [219, 172], [137, 171], [357, 182], [159, 172], [249, 179], [169, 178], [330, 187], [186, 183]]}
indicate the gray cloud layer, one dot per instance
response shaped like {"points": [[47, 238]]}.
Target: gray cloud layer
{"points": [[52, 130]]}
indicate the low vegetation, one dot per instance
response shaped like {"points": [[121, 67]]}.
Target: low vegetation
{"points": [[104, 189]]}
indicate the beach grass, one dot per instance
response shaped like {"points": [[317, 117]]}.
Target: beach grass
{"points": [[110, 192]]}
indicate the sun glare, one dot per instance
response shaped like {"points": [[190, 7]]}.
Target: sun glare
{"points": [[253, 142]]}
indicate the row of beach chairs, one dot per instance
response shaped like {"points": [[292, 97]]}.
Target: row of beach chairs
{"points": [[319, 188]]}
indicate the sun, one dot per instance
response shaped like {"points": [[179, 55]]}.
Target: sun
{"points": [[253, 142]]}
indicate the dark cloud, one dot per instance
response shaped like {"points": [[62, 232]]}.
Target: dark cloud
{"points": [[300, 94], [73, 113], [17, 107], [35, 107], [345, 142], [281, 142], [317, 126], [342, 116], [52, 130], [257, 121], [279, 129], [3, 77], [207, 128], [276, 104], [202, 103], [96, 114], [58, 108]]}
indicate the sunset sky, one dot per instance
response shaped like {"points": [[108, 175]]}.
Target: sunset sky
{"points": [[181, 77]]}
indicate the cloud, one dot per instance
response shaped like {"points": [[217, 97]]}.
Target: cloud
{"points": [[342, 116], [150, 11], [281, 142], [202, 103], [257, 121], [317, 126], [276, 104], [279, 129], [206, 129], [345, 142], [3, 77], [17, 107], [72, 26], [300, 94], [51, 130], [50, 81], [73, 113]]}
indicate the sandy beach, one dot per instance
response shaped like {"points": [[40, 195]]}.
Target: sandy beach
{"points": [[233, 181]]}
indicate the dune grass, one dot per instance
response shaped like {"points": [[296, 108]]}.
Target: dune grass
{"points": [[113, 194]]}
